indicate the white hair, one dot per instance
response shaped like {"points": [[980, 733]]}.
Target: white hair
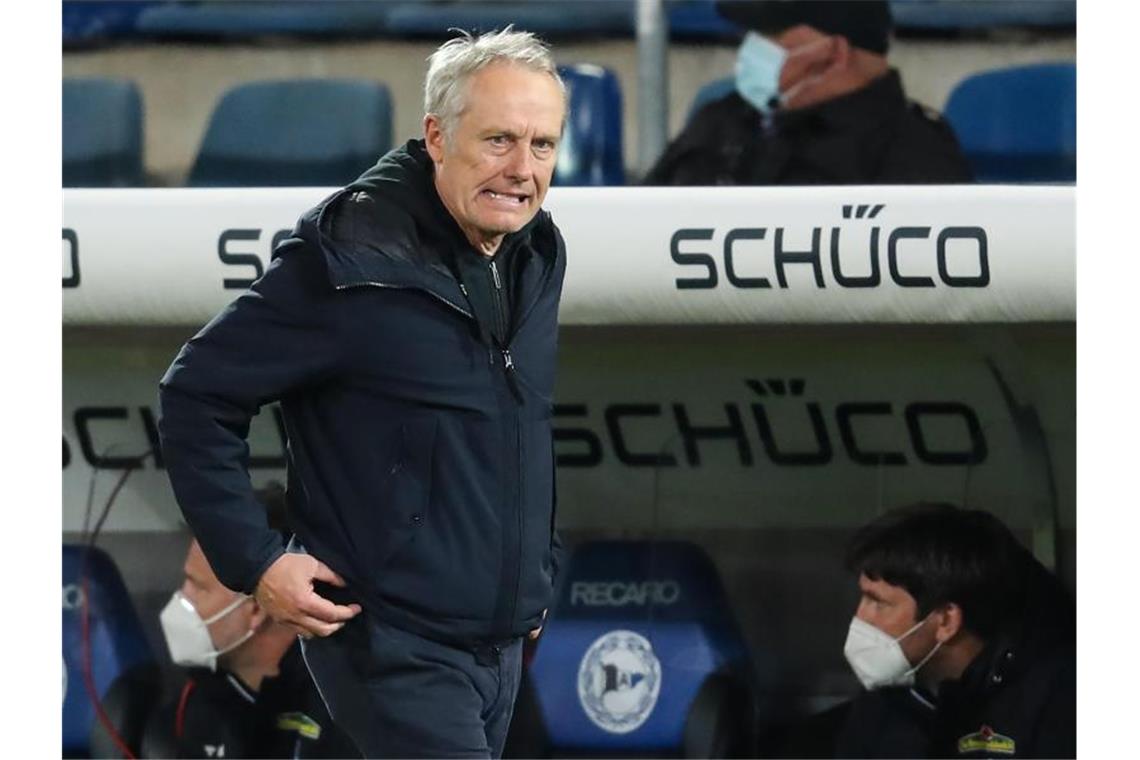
{"points": [[455, 61]]}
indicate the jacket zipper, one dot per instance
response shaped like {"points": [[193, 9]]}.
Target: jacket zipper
{"points": [[431, 293], [520, 494], [501, 322], [512, 382]]}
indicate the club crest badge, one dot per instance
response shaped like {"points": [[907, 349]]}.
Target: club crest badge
{"points": [[619, 681], [986, 740]]}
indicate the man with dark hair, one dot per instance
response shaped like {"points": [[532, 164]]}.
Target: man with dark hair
{"points": [[965, 642], [815, 103]]}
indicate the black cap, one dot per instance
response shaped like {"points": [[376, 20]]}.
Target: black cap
{"points": [[865, 23]]}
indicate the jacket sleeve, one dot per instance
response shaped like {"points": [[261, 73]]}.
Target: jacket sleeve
{"points": [[278, 337], [557, 552]]}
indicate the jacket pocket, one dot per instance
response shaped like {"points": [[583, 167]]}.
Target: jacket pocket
{"points": [[400, 509]]}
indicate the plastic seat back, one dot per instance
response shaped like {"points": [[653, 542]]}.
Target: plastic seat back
{"points": [[123, 671], [102, 133], [637, 634], [295, 133], [1018, 124], [591, 151]]}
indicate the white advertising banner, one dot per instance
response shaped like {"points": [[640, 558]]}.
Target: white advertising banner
{"points": [[637, 256], [668, 428]]}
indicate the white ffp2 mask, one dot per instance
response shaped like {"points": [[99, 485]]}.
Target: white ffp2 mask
{"points": [[187, 636], [877, 658]]}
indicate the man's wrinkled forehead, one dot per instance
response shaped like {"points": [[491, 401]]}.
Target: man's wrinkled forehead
{"points": [[492, 101]]}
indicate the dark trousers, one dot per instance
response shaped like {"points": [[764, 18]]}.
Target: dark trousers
{"points": [[401, 695]]}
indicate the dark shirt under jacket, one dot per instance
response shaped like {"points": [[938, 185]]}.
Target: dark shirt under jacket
{"points": [[873, 136], [216, 715]]}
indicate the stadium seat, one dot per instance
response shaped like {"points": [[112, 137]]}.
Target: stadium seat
{"points": [[1018, 124], [982, 14], [548, 18], [123, 669], [591, 151], [237, 19], [640, 655], [314, 132], [89, 22], [714, 90], [102, 133]]}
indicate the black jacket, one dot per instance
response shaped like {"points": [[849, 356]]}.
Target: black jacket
{"points": [[420, 456], [1016, 699], [868, 137], [216, 715]]}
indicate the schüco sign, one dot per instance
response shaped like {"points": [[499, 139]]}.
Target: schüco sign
{"points": [[838, 430], [855, 256]]}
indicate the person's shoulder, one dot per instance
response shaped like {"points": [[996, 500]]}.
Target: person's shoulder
{"points": [[723, 112], [923, 119]]}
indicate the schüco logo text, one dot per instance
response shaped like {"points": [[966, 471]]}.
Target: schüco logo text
{"points": [[958, 256]]}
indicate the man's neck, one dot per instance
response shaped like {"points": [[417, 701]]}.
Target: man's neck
{"points": [[485, 247], [259, 658], [956, 658], [253, 675]]}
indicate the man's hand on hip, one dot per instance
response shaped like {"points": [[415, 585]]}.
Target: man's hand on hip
{"points": [[286, 592]]}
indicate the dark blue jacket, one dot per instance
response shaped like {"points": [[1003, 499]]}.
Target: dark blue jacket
{"points": [[420, 470]]}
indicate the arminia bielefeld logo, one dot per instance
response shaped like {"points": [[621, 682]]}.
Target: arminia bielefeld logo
{"points": [[618, 681]]}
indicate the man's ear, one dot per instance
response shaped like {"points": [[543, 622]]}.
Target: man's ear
{"points": [[950, 622], [433, 137], [257, 616]]}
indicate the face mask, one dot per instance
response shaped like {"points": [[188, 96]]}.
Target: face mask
{"points": [[758, 65], [877, 658], [187, 636]]}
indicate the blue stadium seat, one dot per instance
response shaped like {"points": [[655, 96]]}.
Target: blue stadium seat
{"points": [[313, 132], [714, 90], [1018, 124], [548, 18], [640, 655], [123, 668], [983, 14], [591, 151], [89, 22], [102, 133], [234, 19]]}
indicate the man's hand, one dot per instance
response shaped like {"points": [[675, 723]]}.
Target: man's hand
{"points": [[286, 592], [535, 633]]}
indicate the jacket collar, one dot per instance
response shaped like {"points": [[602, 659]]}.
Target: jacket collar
{"points": [[389, 228]]}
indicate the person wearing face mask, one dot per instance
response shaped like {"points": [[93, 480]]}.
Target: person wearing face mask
{"points": [[962, 639], [815, 103], [247, 693]]}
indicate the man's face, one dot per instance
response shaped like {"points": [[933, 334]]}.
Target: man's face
{"points": [[894, 611], [493, 172], [203, 589]]}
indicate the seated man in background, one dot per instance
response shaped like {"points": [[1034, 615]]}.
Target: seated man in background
{"points": [[815, 104], [965, 642], [247, 693]]}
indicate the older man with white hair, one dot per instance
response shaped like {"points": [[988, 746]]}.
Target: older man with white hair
{"points": [[409, 329]]}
